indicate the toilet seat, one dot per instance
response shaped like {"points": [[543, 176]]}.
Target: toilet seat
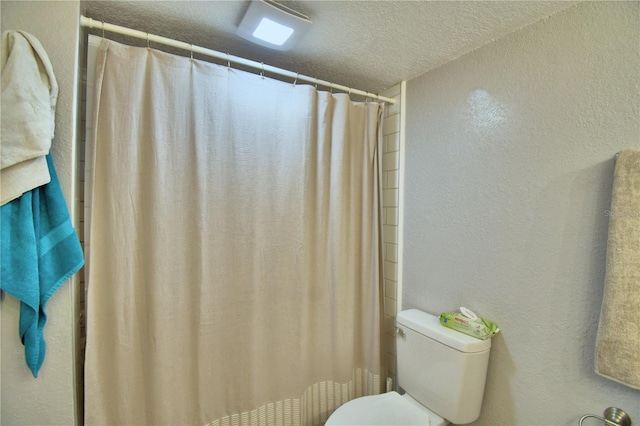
{"points": [[387, 409]]}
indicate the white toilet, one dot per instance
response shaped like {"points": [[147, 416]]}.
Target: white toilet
{"points": [[441, 370]]}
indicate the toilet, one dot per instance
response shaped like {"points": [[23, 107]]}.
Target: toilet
{"points": [[441, 371]]}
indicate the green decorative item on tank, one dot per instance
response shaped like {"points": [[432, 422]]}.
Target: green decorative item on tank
{"points": [[468, 323]]}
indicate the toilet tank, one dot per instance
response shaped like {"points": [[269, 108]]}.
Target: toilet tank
{"points": [[443, 369]]}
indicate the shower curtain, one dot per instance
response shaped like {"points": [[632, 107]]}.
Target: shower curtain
{"points": [[234, 246]]}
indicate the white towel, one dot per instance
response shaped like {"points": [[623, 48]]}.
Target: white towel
{"points": [[618, 341], [29, 94]]}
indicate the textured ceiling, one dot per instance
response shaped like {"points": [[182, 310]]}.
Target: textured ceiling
{"points": [[369, 45]]}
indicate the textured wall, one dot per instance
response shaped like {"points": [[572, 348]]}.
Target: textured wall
{"points": [[49, 399], [370, 45], [509, 162]]}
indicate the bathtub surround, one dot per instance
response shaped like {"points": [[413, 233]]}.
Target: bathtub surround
{"points": [[618, 341], [392, 129], [509, 165], [258, 302]]}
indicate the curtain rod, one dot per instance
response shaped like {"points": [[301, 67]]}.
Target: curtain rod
{"points": [[92, 23]]}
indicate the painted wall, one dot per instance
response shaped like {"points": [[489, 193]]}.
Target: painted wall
{"points": [[48, 400], [509, 163]]}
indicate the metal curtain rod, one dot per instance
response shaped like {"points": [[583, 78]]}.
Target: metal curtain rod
{"points": [[92, 23]]}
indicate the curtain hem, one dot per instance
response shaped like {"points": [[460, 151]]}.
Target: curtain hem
{"points": [[313, 407]]}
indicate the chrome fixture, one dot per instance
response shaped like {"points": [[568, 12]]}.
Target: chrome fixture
{"points": [[612, 417]]}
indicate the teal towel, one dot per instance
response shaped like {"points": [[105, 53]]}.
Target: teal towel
{"points": [[40, 251]]}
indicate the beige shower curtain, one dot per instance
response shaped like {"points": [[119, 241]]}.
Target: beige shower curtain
{"points": [[234, 246]]}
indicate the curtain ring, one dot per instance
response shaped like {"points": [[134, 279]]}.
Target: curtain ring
{"points": [[102, 29], [262, 71], [316, 83], [296, 80], [330, 87], [191, 50], [148, 44], [229, 62]]}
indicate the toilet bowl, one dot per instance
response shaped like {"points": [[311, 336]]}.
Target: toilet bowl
{"points": [[390, 409]]}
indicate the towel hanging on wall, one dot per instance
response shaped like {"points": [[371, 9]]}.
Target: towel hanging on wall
{"points": [[40, 248], [29, 95], [618, 340], [40, 251]]}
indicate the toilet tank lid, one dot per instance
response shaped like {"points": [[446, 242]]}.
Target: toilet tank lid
{"points": [[429, 325]]}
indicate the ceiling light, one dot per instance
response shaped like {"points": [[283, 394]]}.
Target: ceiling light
{"points": [[273, 25], [272, 32]]}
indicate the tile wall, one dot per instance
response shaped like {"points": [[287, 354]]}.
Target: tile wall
{"points": [[391, 201]]}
